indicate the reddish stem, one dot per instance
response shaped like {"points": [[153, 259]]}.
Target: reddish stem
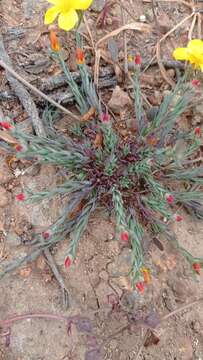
{"points": [[8, 322]]}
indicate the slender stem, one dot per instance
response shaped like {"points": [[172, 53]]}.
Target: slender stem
{"points": [[73, 85], [10, 321], [184, 307]]}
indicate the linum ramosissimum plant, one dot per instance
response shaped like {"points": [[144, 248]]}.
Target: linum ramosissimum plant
{"points": [[136, 178]]}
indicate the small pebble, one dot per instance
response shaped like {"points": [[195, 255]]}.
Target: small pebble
{"points": [[142, 18], [104, 275], [109, 21]]}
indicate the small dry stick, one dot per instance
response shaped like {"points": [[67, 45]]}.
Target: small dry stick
{"points": [[154, 14], [37, 91], [96, 67], [181, 308], [1, 115], [142, 345], [20, 91], [58, 277], [192, 27], [170, 1], [199, 25], [124, 41], [128, 12], [89, 31], [7, 323]]}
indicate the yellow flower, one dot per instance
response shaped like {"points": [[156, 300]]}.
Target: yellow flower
{"points": [[192, 53], [66, 12], [130, 58]]}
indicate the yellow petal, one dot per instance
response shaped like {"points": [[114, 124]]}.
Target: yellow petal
{"points": [[68, 20], [51, 14], [81, 4], [196, 45], [181, 54], [201, 67]]}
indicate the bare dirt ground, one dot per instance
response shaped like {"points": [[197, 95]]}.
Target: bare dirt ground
{"points": [[101, 265]]}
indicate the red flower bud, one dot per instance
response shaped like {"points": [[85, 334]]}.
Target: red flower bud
{"points": [[6, 125], [169, 198], [19, 148], [140, 287], [46, 234], [138, 60], [105, 118], [196, 82], [178, 218], [124, 236], [20, 197], [197, 268], [68, 262], [198, 131]]}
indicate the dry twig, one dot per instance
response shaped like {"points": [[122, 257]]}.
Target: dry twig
{"points": [[124, 41], [20, 91], [13, 75]]}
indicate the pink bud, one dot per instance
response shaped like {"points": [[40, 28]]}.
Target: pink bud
{"points": [[46, 234], [198, 131], [20, 197], [19, 148], [196, 83], [140, 287], [124, 236], [105, 118], [178, 218], [68, 262], [169, 198], [197, 267]]}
